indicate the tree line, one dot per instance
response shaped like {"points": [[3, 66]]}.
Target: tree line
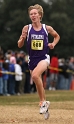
{"points": [[57, 13]]}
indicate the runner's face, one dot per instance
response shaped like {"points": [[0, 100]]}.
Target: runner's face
{"points": [[34, 15]]}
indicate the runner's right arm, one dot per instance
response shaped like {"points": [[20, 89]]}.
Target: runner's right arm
{"points": [[23, 36]]}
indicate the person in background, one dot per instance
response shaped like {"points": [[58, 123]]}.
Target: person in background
{"points": [[1, 65], [27, 88], [11, 80], [22, 83], [38, 46], [5, 78], [18, 76], [13, 58], [66, 75], [71, 67], [8, 55], [60, 83], [53, 72], [63, 77]]}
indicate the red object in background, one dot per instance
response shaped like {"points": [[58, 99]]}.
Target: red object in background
{"points": [[54, 64], [72, 85], [1, 61], [0, 72]]}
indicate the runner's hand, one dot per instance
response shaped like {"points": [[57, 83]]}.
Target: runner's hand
{"points": [[51, 45]]}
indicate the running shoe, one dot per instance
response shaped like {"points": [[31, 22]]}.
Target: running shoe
{"points": [[44, 107], [46, 115]]}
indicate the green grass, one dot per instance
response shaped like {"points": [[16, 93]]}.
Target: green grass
{"points": [[33, 99]]}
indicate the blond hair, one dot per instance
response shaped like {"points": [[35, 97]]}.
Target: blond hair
{"points": [[38, 7]]}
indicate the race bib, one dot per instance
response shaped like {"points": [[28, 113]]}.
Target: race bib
{"points": [[37, 44]]}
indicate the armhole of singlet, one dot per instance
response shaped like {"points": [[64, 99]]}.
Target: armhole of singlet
{"points": [[44, 27], [29, 28]]}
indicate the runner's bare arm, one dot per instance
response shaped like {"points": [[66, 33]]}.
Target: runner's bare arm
{"points": [[23, 36], [55, 35]]}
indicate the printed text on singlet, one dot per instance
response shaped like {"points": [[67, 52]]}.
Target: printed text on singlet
{"points": [[37, 42]]}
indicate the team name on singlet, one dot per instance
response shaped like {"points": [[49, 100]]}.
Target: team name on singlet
{"points": [[35, 36], [37, 42]]}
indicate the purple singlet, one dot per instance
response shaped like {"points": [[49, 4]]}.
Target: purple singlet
{"points": [[37, 45]]}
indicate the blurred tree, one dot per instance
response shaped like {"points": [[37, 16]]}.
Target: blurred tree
{"points": [[57, 13], [61, 18], [14, 16]]}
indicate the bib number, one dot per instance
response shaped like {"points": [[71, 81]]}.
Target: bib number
{"points": [[37, 44]]}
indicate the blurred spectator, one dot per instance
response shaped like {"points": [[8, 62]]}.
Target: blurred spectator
{"points": [[66, 75], [27, 87], [60, 76], [18, 76], [1, 81], [63, 78], [71, 67], [13, 58], [22, 83], [1, 65], [5, 78], [53, 72], [16, 54], [33, 87], [8, 55], [11, 80]]}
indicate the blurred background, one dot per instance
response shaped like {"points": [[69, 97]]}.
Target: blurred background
{"points": [[13, 16], [57, 13]]}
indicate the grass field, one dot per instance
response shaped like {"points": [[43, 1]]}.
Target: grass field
{"points": [[24, 109]]}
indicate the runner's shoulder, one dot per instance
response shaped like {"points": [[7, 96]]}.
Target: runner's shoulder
{"points": [[25, 28]]}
